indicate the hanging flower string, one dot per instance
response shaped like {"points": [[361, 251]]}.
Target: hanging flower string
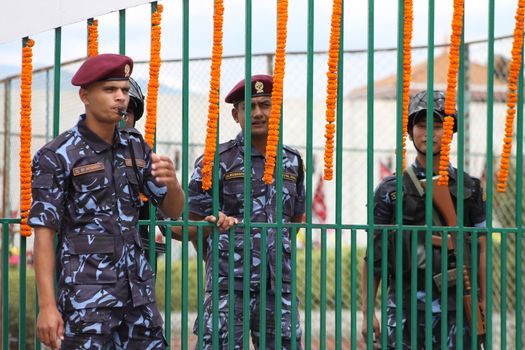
{"points": [[92, 37], [407, 69], [450, 94], [277, 91], [512, 97], [331, 89], [213, 107], [153, 83], [25, 135]]}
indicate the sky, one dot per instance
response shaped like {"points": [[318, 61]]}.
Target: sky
{"points": [[263, 29]]}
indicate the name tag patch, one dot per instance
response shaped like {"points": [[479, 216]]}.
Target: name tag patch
{"points": [[141, 163], [88, 168]]}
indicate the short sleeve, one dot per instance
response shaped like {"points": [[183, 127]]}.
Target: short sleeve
{"points": [[200, 202], [48, 189]]}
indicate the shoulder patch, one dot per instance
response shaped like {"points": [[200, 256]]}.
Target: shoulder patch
{"points": [[392, 196]]}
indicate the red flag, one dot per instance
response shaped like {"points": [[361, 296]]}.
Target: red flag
{"points": [[384, 170], [318, 205]]}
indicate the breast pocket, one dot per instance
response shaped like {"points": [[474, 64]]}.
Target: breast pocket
{"points": [[233, 197], [92, 259], [92, 192]]}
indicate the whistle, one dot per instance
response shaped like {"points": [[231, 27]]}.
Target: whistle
{"points": [[123, 114]]}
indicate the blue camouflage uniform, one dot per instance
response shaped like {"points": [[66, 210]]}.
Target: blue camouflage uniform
{"points": [[263, 206], [88, 191], [414, 214]]}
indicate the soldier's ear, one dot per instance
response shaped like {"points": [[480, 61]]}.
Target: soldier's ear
{"points": [[235, 115], [83, 93]]}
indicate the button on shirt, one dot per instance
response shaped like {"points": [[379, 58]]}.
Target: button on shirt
{"points": [[88, 191]]}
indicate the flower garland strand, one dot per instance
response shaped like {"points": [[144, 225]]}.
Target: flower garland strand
{"points": [[277, 91], [213, 107], [25, 135], [512, 97], [331, 88], [450, 94], [92, 37], [408, 27], [153, 83]]}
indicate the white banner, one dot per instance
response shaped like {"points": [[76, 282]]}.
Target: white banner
{"points": [[21, 18]]}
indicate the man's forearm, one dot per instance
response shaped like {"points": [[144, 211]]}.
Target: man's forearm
{"points": [[173, 202], [44, 262]]}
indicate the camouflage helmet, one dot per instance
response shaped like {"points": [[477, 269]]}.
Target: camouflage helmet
{"points": [[136, 99], [417, 108]]}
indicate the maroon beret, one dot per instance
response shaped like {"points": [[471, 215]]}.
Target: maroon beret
{"points": [[261, 86], [103, 67]]}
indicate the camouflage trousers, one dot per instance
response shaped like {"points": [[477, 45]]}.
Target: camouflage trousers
{"points": [[255, 314], [125, 327], [420, 337]]}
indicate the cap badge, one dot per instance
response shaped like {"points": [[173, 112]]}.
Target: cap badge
{"points": [[127, 70], [259, 87]]}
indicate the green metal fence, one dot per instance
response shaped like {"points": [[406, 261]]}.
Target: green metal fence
{"points": [[328, 257]]}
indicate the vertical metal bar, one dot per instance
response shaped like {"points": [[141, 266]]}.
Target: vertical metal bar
{"points": [[167, 290], [122, 31], [7, 143], [200, 287], [263, 289], [293, 242], [231, 287], [519, 213], [184, 180], [5, 283], [248, 170], [503, 271], [384, 290], [322, 332], [353, 283], [309, 172], [23, 295], [279, 239], [56, 81], [490, 148], [339, 185], [460, 194], [370, 176], [413, 289], [429, 172], [47, 105], [399, 177]]}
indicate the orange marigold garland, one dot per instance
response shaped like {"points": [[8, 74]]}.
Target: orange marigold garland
{"points": [[512, 97], [25, 135], [213, 107], [277, 91], [407, 69], [450, 94], [153, 83], [92, 37], [331, 89]]}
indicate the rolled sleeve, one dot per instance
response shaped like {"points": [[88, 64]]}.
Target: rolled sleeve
{"points": [[48, 190]]}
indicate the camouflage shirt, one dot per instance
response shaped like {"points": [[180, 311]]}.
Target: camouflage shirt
{"points": [[263, 209], [414, 214], [88, 191]]}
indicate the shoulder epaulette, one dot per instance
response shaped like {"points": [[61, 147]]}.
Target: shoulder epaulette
{"points": [[223, 147], [60, 140], [292, 150]]}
